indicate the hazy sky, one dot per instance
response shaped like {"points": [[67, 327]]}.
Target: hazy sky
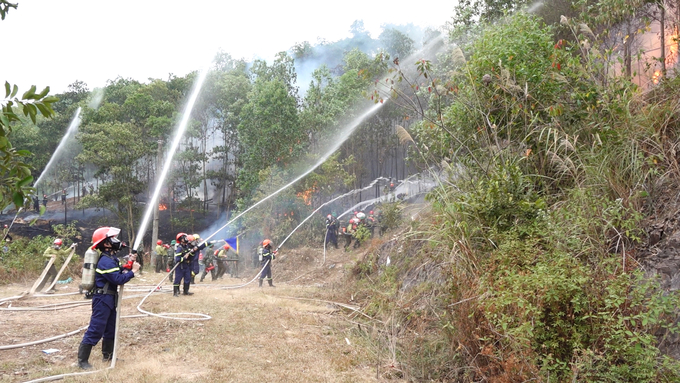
{"points": [[48, 42]]}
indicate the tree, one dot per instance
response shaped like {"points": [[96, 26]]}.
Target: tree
{"points": [[228, 93], [269, 132], [396, 43], [114, 148], [15, 173]]}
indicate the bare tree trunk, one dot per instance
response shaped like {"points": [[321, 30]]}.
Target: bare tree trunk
{"points": [[662, 23], [627, 59]]}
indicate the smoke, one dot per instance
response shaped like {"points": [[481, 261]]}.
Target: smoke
{"points": [[309, 58]]}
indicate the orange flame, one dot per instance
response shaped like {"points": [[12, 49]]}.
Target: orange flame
{"points": [[162, 206], [306, 196]]}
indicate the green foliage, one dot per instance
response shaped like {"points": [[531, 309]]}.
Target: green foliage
{"points": [[115, 149], [269, 132], [4, 8], [362, 234], [25, 255], [15, 173], [390, 214]]}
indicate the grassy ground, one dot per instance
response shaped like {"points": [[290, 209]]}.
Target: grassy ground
{"points": [[255, 334]]}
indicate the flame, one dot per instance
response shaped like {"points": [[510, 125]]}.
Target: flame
{"points": [[656, 77], [162, 206], [306, 196]]}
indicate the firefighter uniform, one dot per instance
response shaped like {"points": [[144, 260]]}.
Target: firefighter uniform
{"points": [[52, 272], [161, 255], [108, 276], [209, 261], [184, 256], [232, 260], [266, 263]]}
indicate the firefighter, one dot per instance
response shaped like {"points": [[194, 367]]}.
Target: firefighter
{"points": [[44, 200], [371, 222], [108, 276], [266, 262], [63, 196], [209, 261], [222, 261], [184, 255], [171, 258], [348, 232], [50, 253], [161, 254], [195, 265], [232, 262], [5, 234], [332, 230]]}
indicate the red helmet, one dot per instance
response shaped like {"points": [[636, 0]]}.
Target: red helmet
{"points": [[58, 242], [190, 238], [159, 242], [370, 212], [328, 216], [226, 247], [180, 235], [102, 233], [166, 246], [266, 243]]}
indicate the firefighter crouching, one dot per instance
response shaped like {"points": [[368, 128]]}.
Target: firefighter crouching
{"points": [[107, 277]]}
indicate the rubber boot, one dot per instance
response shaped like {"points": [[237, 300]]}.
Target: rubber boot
{"points": [[260, 282], [107, 350], [186, 289], [271, 283], [175, 291], [83, 356]]}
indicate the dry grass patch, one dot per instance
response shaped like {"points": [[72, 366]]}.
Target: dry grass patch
{"points": [[255, 334]]}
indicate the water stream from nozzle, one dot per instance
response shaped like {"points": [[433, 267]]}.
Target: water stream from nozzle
{"points": [[181, 128], [343, 137], [72, 128]]}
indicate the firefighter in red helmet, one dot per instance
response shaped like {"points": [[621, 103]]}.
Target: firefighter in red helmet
{"points": [[268, 255], [108, 276], [161, 256]]}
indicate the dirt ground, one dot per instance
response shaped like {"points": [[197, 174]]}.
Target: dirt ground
{"points": [[290, 333]]}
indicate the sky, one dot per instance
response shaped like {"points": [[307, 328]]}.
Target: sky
{"points": [[55, 43]]}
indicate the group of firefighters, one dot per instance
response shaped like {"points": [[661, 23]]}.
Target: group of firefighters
{"points": [[110, 273], [188, 261], [216, 261], [353, 230]]}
